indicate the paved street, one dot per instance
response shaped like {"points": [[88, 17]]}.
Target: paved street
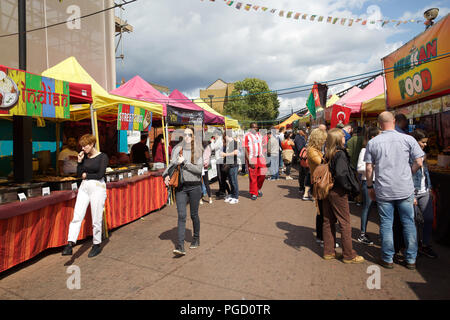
{"points": [[262, 249]]}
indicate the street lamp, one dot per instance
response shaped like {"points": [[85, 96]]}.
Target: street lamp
{"points": [[430, 15], [210, 99]]}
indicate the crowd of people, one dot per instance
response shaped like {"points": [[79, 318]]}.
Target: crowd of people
{"points": [[378, 164]]}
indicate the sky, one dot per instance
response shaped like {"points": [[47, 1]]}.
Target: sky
{"points": [[189, 44]]}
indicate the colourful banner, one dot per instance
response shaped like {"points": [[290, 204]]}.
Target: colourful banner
{"points": [[411, 71], [133, 118], [27, 94], [322, 18]]}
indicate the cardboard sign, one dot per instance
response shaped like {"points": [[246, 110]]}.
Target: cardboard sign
{"points": [[22, 197], [45, 191]]}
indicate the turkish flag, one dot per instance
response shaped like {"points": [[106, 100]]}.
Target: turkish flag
{"points": [[340, 114]]}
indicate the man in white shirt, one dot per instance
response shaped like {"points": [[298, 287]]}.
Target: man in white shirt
{"points": [[67, 160]]}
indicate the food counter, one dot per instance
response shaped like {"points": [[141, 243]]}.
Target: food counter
{"points": [[27, 228]]}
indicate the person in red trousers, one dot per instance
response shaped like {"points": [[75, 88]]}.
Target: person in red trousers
{"points": [[255, 161]]}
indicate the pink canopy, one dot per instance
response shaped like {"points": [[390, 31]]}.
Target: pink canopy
{"points": [[209, 118], [138, 88], [374, 89], [341, 102]]}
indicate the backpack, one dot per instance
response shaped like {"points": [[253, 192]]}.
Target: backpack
{"points": [[322, 181], [303, 156]]}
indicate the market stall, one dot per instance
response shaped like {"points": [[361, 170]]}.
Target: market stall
{"points": [[421, 91], [28, 227]]}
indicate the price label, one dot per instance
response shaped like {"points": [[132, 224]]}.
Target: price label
{"points": [[140, 172], [145, 169], [45, 191], [74, 186], [22, 197], [129, 175], [120, 176], [108, 178]]}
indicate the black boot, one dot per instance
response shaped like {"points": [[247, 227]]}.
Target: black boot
{"points": [[68, 249], [179, 249], [94, 251], [195, 243]]}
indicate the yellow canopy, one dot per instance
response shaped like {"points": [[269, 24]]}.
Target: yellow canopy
{"points": [[229, 123], [289, 120], [332, 100], [374, 105], [103, 102]]}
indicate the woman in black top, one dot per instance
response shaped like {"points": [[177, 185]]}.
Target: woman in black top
{"points": [[91, 168]]}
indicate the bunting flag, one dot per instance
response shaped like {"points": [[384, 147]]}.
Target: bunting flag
{"points": [[311, 105], [332, 20]]}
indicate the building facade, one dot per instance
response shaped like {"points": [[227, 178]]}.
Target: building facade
{"points": [[216, 95]]}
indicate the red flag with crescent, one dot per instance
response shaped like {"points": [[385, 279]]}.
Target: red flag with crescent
{"points": [[340, 114]]}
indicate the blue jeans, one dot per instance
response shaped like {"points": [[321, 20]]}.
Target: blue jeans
{"points": [[405, 208], [275, 166], [365, 207], [425, 204], [233, 177]]}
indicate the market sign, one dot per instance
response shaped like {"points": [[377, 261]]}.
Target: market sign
{"points": [[426, 108], [410, 75], [133, 118], [27, 94], [181, 117]]}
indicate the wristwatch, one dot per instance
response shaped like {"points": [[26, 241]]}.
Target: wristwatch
{"points": [[370, 187]]}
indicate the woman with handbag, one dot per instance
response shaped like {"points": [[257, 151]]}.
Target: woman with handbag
{"points": [[335, 205], [288, 153], [187, 163], [315, 157]]}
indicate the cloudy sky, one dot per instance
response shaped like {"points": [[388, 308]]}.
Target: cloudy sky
{"points": [[188, 44]]}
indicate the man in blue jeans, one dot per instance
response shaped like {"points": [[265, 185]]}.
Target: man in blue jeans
{"points": [[390, 153]]}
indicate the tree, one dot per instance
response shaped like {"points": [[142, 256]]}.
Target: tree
{"points": [[248, 103]]}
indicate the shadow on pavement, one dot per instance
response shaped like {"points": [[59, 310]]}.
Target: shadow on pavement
{"points": [[172, 235], [292, 191], [300, 236]]}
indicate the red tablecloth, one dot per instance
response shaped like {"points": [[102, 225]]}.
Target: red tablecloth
{"points": [[25, 235]]}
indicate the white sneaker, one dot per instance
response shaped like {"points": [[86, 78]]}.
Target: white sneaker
{"points": [[233, 201], [228, 199], [289, 178], [201, 201], [210, 201]]}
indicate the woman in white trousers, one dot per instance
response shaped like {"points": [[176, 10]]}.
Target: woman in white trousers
{"points": [[91, 168]]}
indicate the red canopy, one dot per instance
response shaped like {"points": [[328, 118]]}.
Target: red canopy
{"points": [[80, 93]]}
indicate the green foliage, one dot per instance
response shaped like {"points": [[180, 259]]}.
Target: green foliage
{"points": [[252, 106]]}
